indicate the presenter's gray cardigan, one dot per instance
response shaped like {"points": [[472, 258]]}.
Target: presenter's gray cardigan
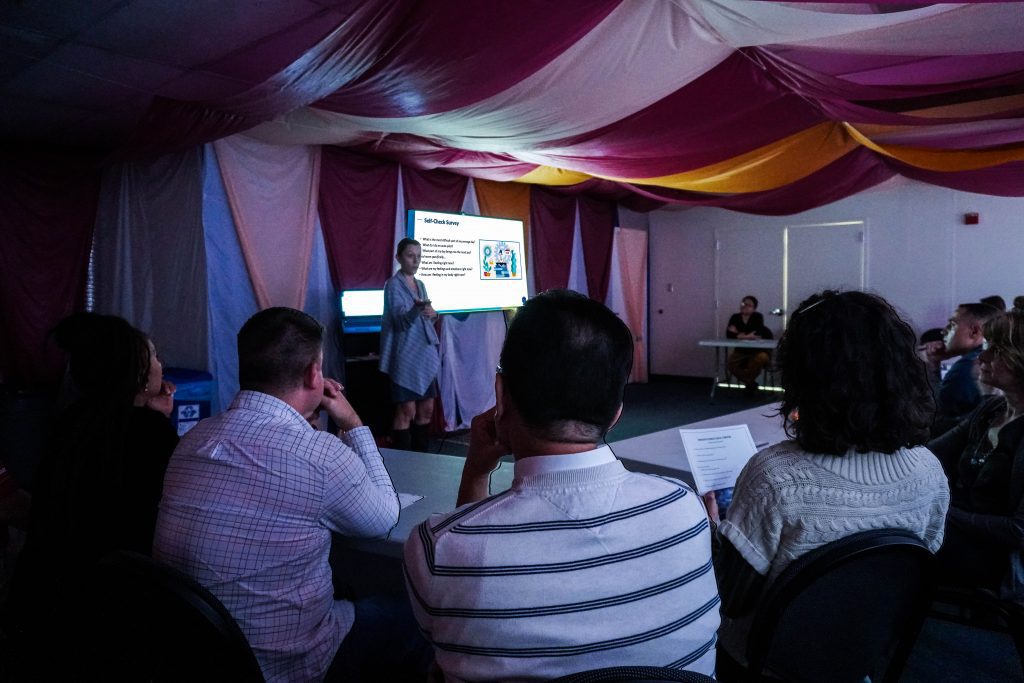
{"points": [[409, 347]]}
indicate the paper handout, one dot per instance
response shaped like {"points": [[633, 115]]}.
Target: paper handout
{"points": [[716, 455]]}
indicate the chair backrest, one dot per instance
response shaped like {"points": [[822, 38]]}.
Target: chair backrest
{"points": [[837, 612], [144, 621], [634, 674]]}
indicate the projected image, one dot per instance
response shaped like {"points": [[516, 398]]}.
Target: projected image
{"points": [[499, 260], [470, 263]]}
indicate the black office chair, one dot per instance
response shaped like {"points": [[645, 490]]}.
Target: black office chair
{"points": [[634, 674], [142, 621], [848, 611]]}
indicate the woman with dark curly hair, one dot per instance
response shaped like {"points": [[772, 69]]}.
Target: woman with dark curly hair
{"points": [[984, 458], [858, 406], [98, 485]]}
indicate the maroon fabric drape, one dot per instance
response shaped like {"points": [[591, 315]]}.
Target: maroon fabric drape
{"points": [[357, 215], [597, 230], [433, 190], [552, 218], [47, 213]]}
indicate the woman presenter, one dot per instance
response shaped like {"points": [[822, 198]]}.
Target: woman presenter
{"points": [[409, 350]]}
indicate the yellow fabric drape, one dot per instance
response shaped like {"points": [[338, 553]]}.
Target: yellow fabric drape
{"points": [[941, 159], [794, 157], [779, 163]]}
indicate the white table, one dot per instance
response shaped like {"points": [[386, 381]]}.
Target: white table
{"points": [[721, 369], [434, 476], [662, 452], [374, 565]]}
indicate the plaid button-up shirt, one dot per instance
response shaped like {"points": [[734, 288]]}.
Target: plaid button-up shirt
{"points": [[250, 499]]}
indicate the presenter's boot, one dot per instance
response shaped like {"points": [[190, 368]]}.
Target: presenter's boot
{"points": [[420, 437], [401, 439]]}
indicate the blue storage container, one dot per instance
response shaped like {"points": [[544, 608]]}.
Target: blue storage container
{"points": [[195, 390]]}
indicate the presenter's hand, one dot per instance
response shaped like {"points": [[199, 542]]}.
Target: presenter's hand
{"points": [[429, 312], [337, 406]]}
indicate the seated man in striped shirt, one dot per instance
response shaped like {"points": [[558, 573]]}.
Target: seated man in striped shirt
{"points": [[581, 564]]}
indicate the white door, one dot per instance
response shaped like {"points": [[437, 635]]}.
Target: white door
{"points": [[748, 261], [822, 256]]}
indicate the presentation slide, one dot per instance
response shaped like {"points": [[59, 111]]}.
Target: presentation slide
{"points": [[470, 263]]}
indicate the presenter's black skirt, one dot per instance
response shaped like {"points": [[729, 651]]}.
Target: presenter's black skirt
{"points": [[400, 394]]}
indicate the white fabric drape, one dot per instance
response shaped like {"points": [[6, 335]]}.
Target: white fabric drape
{"points": [[470, 347], [577, 264], [272, 191], [657, 41], [150, 260], [232, 300]]}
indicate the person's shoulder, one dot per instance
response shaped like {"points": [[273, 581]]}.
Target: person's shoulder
{"points": [[775, 464]]}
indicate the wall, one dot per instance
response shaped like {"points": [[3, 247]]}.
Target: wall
{"points": [[919, 255]]}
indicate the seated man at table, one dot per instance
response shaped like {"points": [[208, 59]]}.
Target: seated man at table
{"points": [[581, 564], [252, 495], [748, 325]]}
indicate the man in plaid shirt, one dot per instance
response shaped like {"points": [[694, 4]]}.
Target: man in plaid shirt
{"points": [[252, 495]]}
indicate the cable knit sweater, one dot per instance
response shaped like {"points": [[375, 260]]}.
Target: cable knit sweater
{"points": [[788, 501]]}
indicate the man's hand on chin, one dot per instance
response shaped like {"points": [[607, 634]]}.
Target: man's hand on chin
{"points": [[337, 406], [484, 456]]}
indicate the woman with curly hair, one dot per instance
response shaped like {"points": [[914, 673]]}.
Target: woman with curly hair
{"points": [[984, 458], [857, 406]]}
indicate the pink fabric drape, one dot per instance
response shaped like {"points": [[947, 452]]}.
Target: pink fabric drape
{"points": [[272, 190], [632, 249], [597, 228], [433, 190], [47, 210], [552, 219], [357, 216]]}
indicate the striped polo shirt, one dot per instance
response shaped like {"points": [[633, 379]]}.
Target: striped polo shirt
{"points": [[580, 565]]}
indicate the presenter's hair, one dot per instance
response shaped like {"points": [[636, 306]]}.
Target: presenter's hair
{"points": [[274, 348], [565, 363], [405, 242], [753, 299], [1004, 334], [851, 376]]}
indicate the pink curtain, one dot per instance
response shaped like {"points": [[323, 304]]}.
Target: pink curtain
{"points": [[597, 229], [272, 190], [552, 218], [433, 190], [632, 248], [47, 211], [357, 216]]}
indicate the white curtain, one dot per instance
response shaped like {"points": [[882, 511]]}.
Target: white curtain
{"points": [[470, 346], [150, 259]]}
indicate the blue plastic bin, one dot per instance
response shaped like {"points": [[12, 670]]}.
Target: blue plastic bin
{"points": [[192, 398]]}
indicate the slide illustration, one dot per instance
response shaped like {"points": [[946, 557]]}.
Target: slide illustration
{"points": [[499, 260]]}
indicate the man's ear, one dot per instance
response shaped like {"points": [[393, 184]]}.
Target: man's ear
{"points": [[311, 374], [615, 420], [499, 396]]}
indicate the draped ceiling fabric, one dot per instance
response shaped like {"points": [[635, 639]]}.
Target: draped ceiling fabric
{"points": [[764, 107]]}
